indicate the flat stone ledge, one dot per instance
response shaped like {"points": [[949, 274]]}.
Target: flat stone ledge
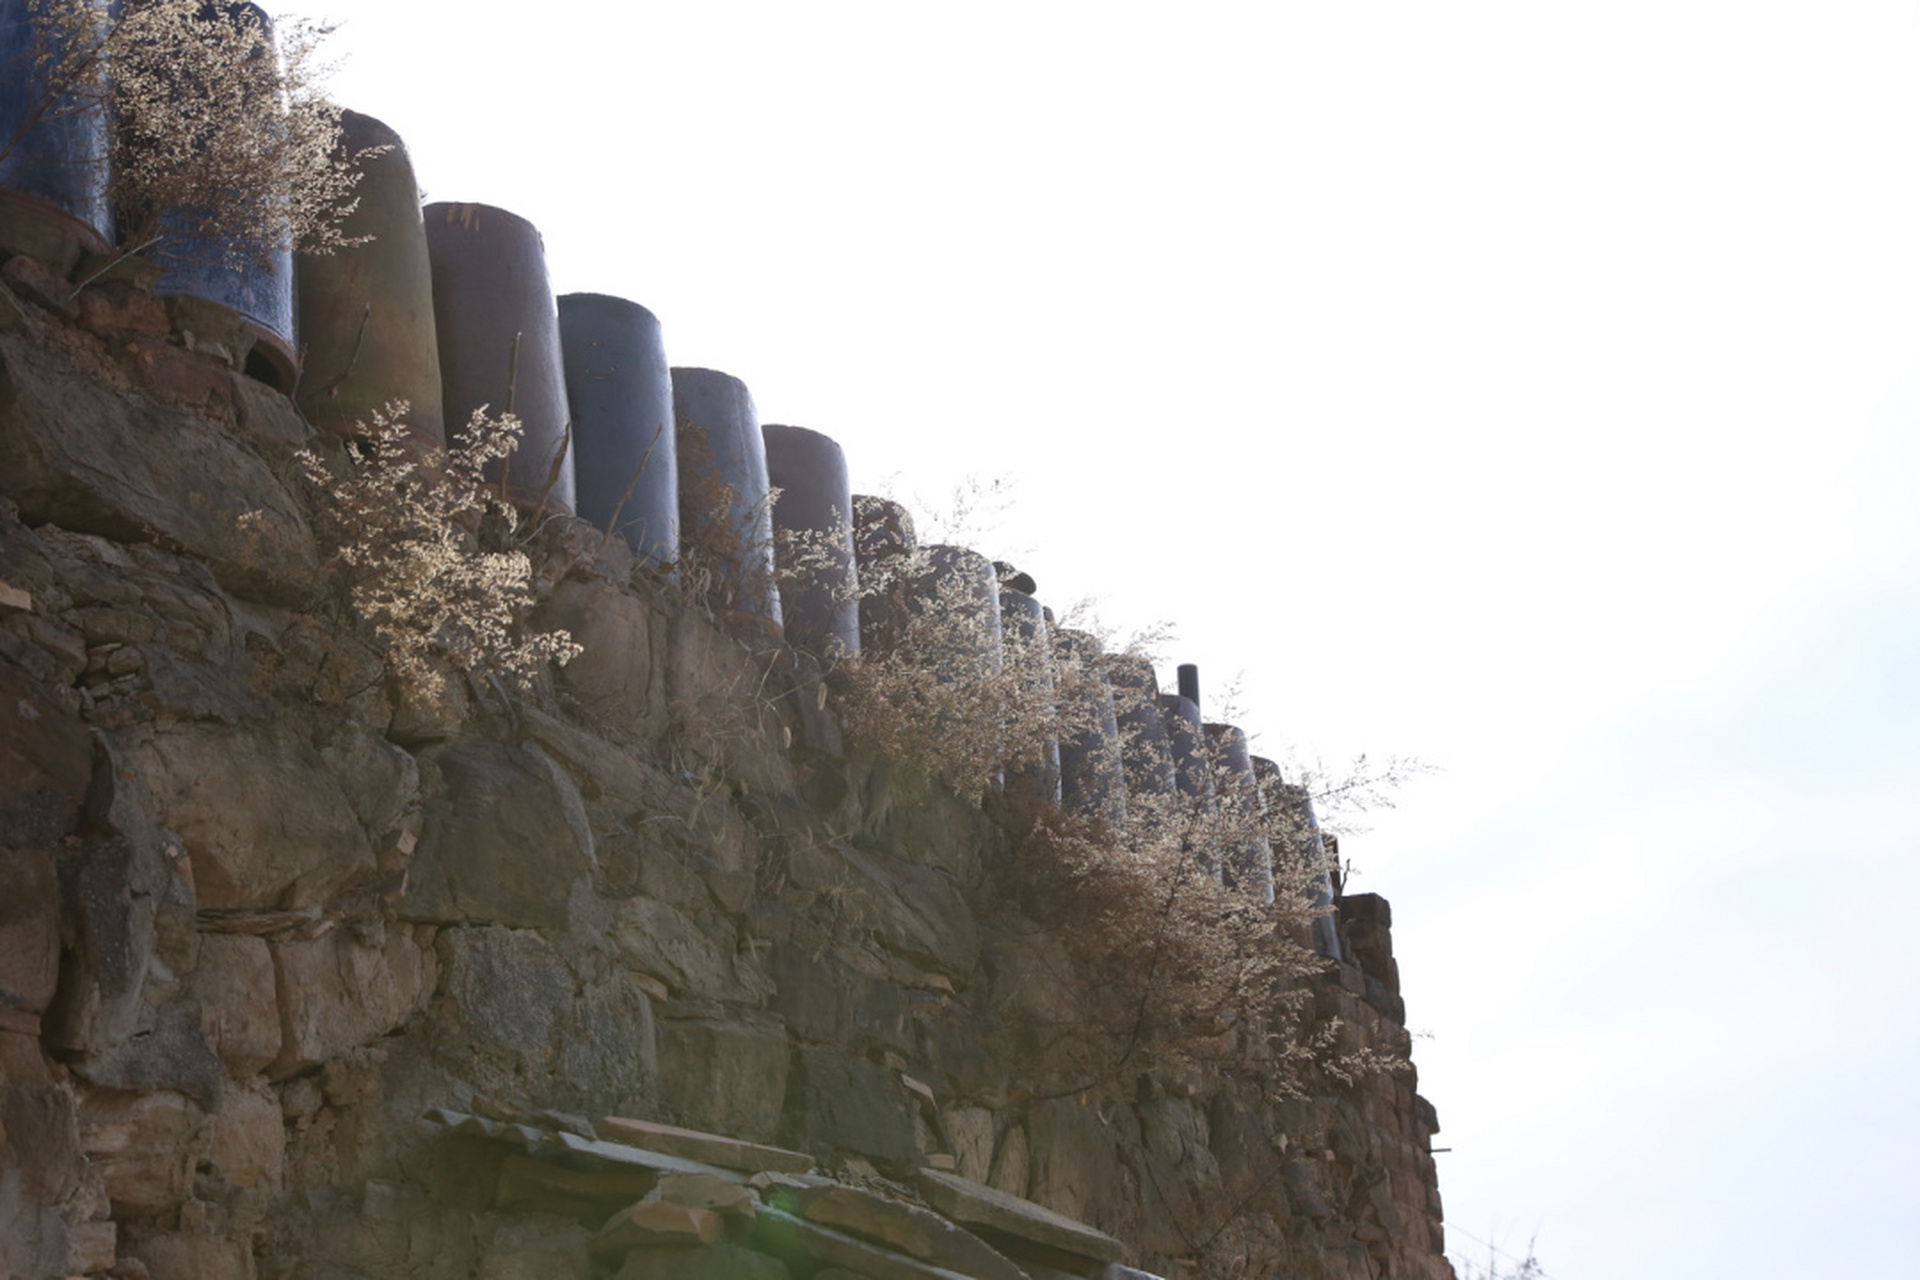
{"points": [[713, 1148], [973, 1205]]}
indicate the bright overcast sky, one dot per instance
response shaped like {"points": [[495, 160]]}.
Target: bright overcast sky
{"points": [[1529, 387]]}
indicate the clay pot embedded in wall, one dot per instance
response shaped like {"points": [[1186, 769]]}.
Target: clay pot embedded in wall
{"points": [[499, 337], [1092, 766], [1023, 627], [1192, 774], [957, 597], [1192, 766], [1145, 747], [53, 175], [250, 282], [366, 312], [1296, 841], [620, 391], [813, 541], [1248, 862], [883, 546], [726, 520]]}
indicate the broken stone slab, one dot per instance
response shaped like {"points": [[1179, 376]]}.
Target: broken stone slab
{"points": [[652, 1222], [699, 1191], [783, 1233], [973, 1205], [535, 1141], [1118, 1272], [524, 1179], [907, 1227], [712, 1148]]}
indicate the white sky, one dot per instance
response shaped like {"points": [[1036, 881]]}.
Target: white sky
{"points": [[1527, 387]]}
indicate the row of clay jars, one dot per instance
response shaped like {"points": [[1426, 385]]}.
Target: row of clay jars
{"points": [[467, 285], [599, 362], [709, 476]]}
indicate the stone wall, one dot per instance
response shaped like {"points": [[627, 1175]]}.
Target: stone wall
{"points": [[261, 912]]}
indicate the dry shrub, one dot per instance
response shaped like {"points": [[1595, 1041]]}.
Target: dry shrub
{"points": [[722, 558], [1174, 968], [1170, 965], [428, 554]]}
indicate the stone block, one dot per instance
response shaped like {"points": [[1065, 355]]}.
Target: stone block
{"points": [[654, 938], [719, 705], [729, 1077], [92, 1247], [1242, 1146], [700, 1262], [247, 1140], [128, 921], [337, 991], [167, 1050], [1073, 1161], [29, 929], [143, 1145], [608, 775], [39, 1139], [969, 1131], [77, 451], [656, 1222], [40, 283], [239, 1006], [115, 307], [501, 845], [27, 232], [609, 1044], [614, 679], [836, 1100], [1181, 1168], [192, 1255], [528, 1251], [918, 913], [46, 761], [1012, 1163], [828, 1003], [35, 1240], [506, 990], [258, 811], [381, 782]]}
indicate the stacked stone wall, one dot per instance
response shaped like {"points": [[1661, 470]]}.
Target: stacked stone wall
{"points": [[262, 910]]}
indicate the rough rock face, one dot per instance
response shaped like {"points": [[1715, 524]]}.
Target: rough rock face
{"points": [[261, 910]]}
